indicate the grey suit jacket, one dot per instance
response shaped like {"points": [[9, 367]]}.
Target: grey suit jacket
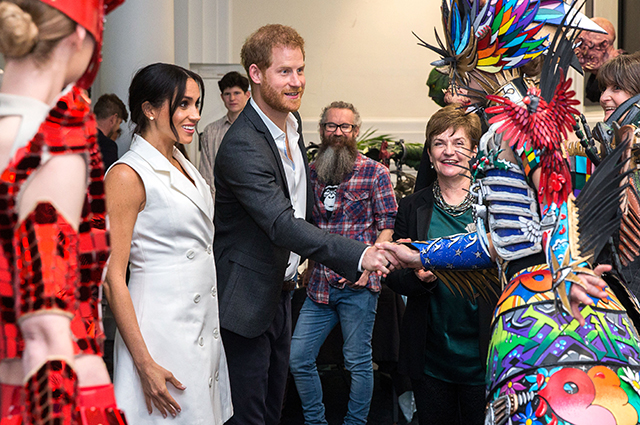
{"points": [[255, 228]]}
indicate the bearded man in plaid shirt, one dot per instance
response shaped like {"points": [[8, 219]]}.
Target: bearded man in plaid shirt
{"points": [[354, 198]]}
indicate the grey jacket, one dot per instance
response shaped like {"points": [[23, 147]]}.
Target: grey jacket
{"points": [[255, 228]]}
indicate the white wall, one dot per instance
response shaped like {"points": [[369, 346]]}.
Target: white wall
{"points": [[138, 33], [360, 51]]}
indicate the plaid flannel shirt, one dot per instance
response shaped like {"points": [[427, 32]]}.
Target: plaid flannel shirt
{"points": [[365, 204]]}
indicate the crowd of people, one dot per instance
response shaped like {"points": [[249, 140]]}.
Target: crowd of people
{"points": [[502, 251]]}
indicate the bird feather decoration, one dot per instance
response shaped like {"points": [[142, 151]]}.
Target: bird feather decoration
{"points": [[488, 39], [543, 121], [542, 124]]}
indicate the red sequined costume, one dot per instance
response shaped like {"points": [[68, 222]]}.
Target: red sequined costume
{"points": [[56, 267], [45, 264]]}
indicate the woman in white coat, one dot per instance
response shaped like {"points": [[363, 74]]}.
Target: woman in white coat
{"points": [[169, 359]]}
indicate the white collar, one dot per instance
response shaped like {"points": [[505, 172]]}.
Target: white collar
{"points": [[275, 131]]}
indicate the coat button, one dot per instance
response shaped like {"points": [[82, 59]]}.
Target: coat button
{"points": [[191, 253], [210, 382], [213, 291], [217, 375], [196, 298], [209, 249], [201, 341], [216, 333]]}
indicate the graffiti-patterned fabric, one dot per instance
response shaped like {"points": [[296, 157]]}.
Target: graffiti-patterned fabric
{"points": [[556, 370]]}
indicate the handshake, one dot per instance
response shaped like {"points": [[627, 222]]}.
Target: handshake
{"points": [[383, 258]]}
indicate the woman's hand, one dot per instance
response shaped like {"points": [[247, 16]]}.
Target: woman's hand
{"points": [[592, 285], [154, 380], [425, 276]]}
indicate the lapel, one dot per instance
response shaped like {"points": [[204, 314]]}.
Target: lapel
{"points": [[161, 165], [423, 213], [260, 127]]}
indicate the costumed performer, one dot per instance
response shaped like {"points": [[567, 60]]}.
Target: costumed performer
{"points": [[542, 366], [54, 240]]}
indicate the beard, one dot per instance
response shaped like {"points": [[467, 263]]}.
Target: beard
{"points": [[277, 100], [336, 157]]}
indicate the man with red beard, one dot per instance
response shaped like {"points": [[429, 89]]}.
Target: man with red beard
{"points": [[263, 199], [353, 197]]}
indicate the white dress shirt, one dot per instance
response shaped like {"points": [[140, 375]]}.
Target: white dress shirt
{"points": [[294, 170]]}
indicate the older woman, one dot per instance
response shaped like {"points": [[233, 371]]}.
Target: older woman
{"points": [[169, 358], [441, 337]]}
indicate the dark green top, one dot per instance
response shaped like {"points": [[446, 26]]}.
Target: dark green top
{"points": [[452, 353]]}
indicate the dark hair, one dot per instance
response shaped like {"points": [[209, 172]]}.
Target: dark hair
{"points": [[157, 83], [622, 71], [233, 79], [453, 117], [258, 47], [109, 104]]}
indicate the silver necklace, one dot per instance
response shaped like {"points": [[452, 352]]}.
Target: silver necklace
{"points": [[452, 210]]}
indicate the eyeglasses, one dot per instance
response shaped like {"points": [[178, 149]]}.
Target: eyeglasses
{"points": [[331, 127]]}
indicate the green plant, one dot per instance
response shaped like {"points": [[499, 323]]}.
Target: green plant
{"points": [[370, 144]]}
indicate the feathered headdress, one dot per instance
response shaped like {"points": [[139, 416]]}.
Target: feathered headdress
{"points": [[490, 44]]}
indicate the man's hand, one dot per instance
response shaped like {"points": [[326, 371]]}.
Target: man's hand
{"points": [[405, 257], [305, 276], [380, 261], [361, 283], [593, 285]]}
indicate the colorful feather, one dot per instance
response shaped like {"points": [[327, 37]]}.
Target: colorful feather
{"points": [[542, 126]]}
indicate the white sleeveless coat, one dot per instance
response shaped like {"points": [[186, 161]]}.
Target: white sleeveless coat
{"points": [[174, 294]]}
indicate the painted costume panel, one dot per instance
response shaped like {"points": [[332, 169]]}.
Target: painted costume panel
{"points": [[553, 369], [543, 367]]}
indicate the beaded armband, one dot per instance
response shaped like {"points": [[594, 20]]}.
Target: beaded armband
{"points": [[530, 159]]}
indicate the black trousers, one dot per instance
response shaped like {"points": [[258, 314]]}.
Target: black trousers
{"points": [[444, 403], [258, 369]]}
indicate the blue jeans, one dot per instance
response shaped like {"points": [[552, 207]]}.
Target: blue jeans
{"points": [[355, 309]]}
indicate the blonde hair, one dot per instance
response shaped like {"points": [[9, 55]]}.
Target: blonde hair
{"points": [[30, 27]]}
